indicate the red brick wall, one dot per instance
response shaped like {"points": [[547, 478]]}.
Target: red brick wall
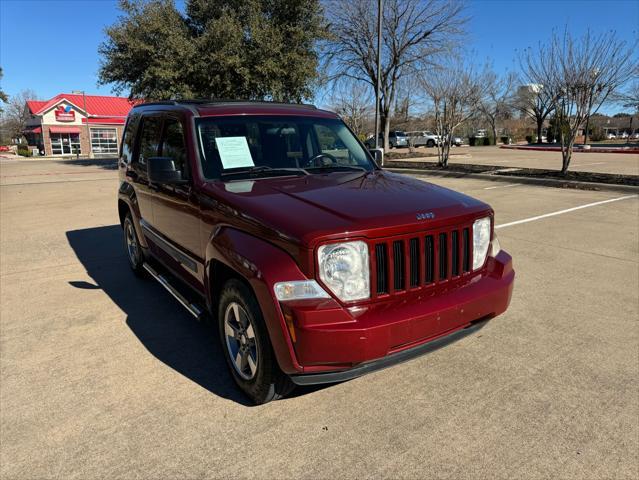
{"points": [[46, 138]]}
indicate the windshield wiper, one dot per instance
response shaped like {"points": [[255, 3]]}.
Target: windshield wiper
{"points": [[338, 167], [264, 169]]}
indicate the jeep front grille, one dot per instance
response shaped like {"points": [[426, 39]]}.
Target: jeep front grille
{"points": [[417, 261]]}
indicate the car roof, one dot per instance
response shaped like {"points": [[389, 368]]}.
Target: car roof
{"points": [[214, 108]]}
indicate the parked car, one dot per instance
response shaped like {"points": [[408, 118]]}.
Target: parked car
{"points": [[423, 138], [480, 133], [635, 135], [396, 139], [624, 135], [457, 141], [4, 148], [611, 136], [315, 265]]}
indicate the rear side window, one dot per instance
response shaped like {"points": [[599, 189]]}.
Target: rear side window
{"points": [[173, 144], [128, 143], [149, 138]]}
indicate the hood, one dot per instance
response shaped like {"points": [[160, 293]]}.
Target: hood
{"points": [[375, 204]]}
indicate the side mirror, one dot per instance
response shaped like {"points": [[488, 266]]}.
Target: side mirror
{"points": [[378, 155], [163, 170]]}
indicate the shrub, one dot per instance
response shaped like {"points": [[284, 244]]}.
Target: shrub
{"points": [[505, 139], [472, 141], [489, 141], [550, 137], [529, 138], [25, 152]]}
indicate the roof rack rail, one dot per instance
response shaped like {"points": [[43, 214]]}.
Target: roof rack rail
{"points": [[215, 102]]}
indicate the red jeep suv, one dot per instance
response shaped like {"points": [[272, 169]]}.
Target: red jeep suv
{"points": [[316, 265]]}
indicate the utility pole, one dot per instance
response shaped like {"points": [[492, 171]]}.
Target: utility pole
{"points": [[84, 99], [379, 74]]}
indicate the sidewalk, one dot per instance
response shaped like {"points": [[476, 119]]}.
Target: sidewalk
{"points": [[577, 149]]}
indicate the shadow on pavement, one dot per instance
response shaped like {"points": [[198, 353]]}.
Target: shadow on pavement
{"points": [[108, 163], [166, 330]]}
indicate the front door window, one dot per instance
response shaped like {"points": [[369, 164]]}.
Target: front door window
{"points": [[65, 143]]}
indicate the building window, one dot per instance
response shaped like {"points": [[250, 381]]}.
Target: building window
{"points": [[104, 140], [65, 143]]}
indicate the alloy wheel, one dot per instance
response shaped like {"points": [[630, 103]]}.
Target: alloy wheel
{"points": [[240, 342], [132, 246]]}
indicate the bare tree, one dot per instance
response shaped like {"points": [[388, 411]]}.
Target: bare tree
{"points": [[456, 92], [415, 34], [14, 118], [630, 97], [3, 96], [582, 74], [536, 102], [352, 102], [496, 104]]}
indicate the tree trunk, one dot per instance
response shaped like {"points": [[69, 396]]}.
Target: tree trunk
{"points": [[444, 159], [540, 125], [494, 127], [386, 132], [566, 156]]}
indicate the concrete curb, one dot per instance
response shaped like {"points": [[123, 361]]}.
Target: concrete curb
{"points": [[545, 182], [576, 150]]}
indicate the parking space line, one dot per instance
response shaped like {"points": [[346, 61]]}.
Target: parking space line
{"points": [[561, 212], [502, 186], [585, 164]]}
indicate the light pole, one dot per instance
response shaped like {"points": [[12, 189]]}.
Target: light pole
{"points": [[84, 99], [379, 74]]}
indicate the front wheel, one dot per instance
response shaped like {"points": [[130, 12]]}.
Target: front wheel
{"points": [[132, 245], [247, 347], [430, 143]]}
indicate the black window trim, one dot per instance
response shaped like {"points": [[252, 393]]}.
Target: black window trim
{"points": [[172, 116]]}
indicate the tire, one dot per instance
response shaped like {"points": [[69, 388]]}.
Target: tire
{"points": [[430, 143], [132, 246], [247, 347]]}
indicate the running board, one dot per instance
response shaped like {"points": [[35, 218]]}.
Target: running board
{"points": [[193, 309]]}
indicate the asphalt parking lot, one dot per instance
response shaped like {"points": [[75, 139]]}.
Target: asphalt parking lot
{"points": [[620, 163], [104, 375]]}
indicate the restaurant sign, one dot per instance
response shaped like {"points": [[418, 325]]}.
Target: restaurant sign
{"points": [[64, 114]]}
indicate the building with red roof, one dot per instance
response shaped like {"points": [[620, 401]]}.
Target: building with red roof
{"points": [[71, 124]]}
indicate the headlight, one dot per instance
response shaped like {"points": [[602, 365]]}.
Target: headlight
{"points": [[481, 241], [344, 269]]}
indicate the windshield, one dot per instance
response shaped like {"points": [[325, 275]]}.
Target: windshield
{"points": [[277, 145]]}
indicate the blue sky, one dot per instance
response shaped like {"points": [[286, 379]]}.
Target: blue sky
{"points": [[50, 46]]}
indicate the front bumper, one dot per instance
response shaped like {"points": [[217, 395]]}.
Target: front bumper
{"points": [[334, 344], [389, 360]]}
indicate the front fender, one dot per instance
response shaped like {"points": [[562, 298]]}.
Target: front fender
{"points": [[262, 265], [126, 195]]}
